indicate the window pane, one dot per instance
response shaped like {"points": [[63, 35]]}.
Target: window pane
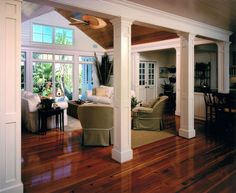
{"points": [[86, 59], [23, 67], [42, 33], [47, 30], [63, 80], [42, 78], [37, 29], [37, 38], [47, 39], [85, 79], [63, 36], [63, 57]]}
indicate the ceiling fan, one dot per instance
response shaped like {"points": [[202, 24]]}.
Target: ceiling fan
{"points": [[92, 21]]}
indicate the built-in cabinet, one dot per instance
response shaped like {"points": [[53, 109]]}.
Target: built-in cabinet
{"points": [[202, 77], [199, 106]]}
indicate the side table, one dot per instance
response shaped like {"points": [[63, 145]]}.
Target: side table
{"points": [[43, 114]]}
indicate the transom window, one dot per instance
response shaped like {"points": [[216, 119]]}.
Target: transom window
{"points": [[52, 35], [86, 58], [42, 33], [42, 56], [63, 36], [63, 57]]}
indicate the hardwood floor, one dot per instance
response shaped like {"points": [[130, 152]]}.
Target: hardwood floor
{"points": [[57, 163]]}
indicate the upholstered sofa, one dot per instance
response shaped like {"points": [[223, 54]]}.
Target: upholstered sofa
{"points": [[29, 111], [103, 95]]}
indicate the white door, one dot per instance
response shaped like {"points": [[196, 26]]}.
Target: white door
{"points": [[147, 82]]}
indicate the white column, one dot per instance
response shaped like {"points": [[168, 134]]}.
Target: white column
{"points": [[122, 151], [10, 106], [178, 76], [187, 86], [223, 67], [135, 73]]}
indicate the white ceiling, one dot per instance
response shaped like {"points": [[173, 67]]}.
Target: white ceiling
{"points": [[220, 13]]}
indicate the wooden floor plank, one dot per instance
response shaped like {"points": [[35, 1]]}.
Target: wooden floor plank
{"points": [[57, 163]]}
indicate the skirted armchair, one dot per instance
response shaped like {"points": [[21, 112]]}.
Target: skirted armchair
{"points": [[149, 117], [97, 124]]}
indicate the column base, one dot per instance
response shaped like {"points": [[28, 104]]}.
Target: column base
{"points": [[13, 189], [187, 133], [122, 157]]}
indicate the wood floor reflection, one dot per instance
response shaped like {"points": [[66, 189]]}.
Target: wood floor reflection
{"points": [[57, 163]]}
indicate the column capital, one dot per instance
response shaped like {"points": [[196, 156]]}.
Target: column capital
{"points": [[186, 35], [119, 20]]}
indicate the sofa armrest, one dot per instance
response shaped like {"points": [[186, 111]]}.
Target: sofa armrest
{"points": [[142, 110], [63, 105]]}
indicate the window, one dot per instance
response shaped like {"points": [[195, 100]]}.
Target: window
{"points": [[49, 34], [42, 33], [85, 75], [86, 59], [52, 74], [42, 78], [63, 36], [62, 57], [85, 79], [63, 80], [23, 66], [41, 56]]}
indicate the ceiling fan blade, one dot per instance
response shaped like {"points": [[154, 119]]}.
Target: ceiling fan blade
{"points": [[94, 22], [77, 21]]}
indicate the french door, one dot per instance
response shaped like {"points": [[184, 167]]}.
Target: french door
{"points": [[147, 81]]}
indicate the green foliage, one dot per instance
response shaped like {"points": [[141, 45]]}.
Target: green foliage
{"points": [[104, 69], [134, 102], [62, 39], [42, 75]]}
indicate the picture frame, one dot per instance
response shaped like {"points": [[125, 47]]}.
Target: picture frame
{"points": [[163, 72]]}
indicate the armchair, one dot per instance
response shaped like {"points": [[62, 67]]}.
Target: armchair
{"points": [[150, 118], [97, 124]]}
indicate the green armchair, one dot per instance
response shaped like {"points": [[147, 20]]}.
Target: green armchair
{"points": [[97, 124], [149, 118]]}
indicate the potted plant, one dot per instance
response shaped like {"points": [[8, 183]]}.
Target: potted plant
{"points": [[167, 87], [134, 102]]}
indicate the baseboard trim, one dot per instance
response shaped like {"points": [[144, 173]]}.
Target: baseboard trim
{"points": [[188, 134], [122, 157], [13, 189]]}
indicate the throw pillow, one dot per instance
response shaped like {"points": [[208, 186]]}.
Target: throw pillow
{"points": [[100, 91], [109, 90]]}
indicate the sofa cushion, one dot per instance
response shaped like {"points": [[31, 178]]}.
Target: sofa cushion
{"points": [[100, 91]]}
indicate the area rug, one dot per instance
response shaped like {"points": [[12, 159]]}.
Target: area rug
{"points": [[141, 137], [138, 137]]}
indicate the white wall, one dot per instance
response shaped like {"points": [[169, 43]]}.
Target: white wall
{"points": [[81, 42]]}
